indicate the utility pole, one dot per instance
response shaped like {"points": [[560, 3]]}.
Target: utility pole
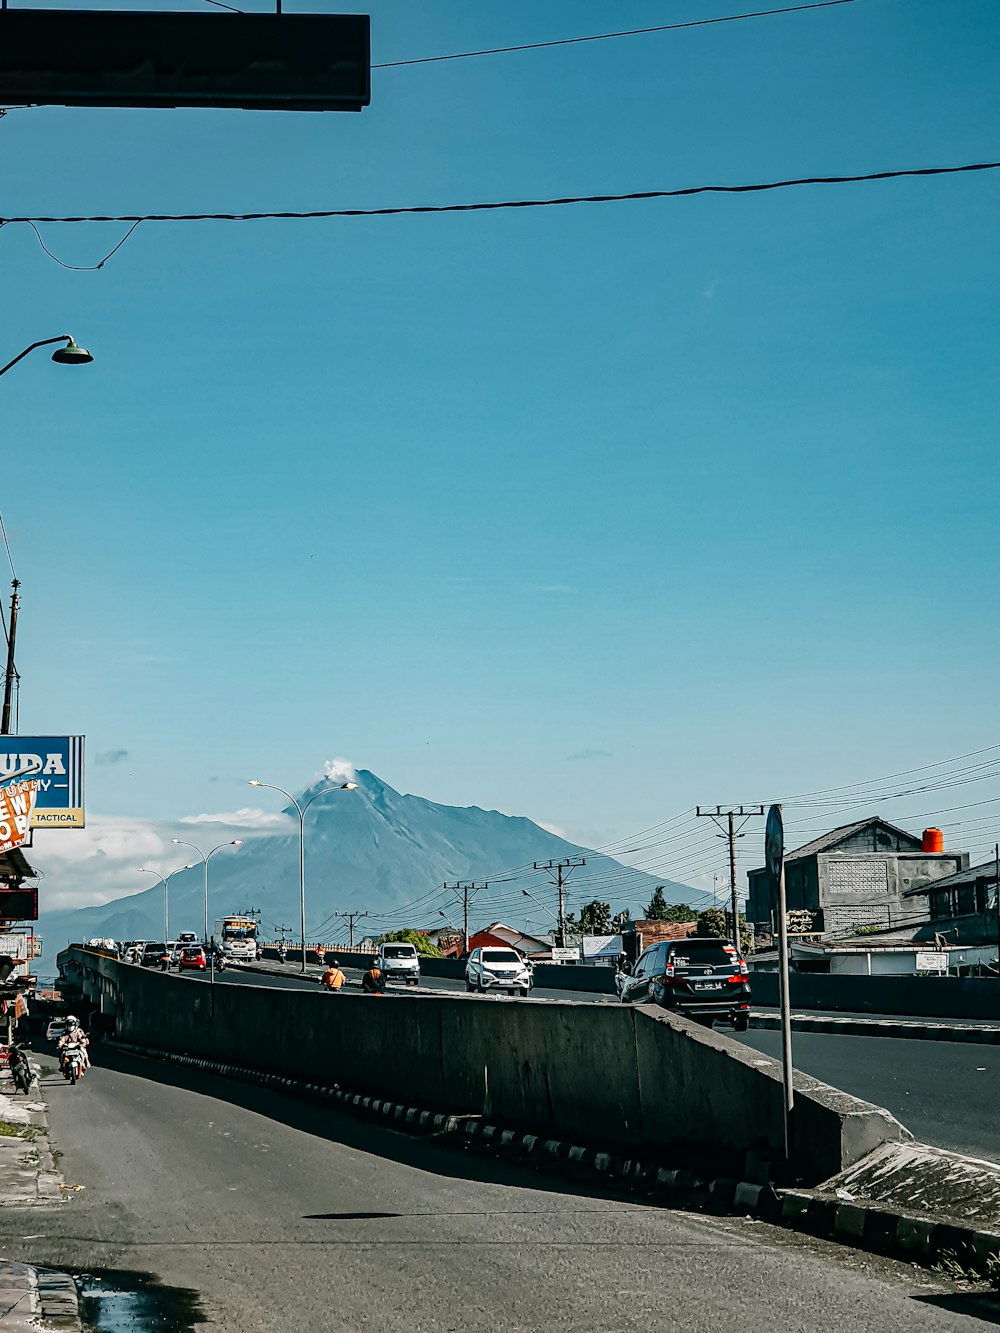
{"points": [[11, 676], [561, 869], [464, 893], [730, 831], [351, 917]]}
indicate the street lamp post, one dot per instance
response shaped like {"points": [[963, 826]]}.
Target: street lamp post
{"points": [[141, 870], [179, 842], [343, 786], [70, 355]]}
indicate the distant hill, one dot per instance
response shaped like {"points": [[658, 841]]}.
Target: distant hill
{"points": [[376, 850]]}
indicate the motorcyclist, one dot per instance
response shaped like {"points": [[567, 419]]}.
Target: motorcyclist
{"points": [[333, 979], [74, 1035], [320, 954], [373, 981]]}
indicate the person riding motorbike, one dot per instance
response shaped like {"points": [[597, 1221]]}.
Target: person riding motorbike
{"points": [[373, 981], [333, 979], [74, 1035], [320, 954]]}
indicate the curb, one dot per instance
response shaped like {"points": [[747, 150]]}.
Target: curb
{"points": [[880, 1027], [58, 1299], [887, 1231]]}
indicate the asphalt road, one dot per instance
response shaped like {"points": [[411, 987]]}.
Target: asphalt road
{"points": [[251, 975], [945, 1093], [263, 1214]]}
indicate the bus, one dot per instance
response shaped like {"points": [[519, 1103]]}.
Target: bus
{"points": [[238, 936]]}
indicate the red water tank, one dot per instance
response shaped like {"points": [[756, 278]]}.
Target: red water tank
{"points": [[933, 840]]}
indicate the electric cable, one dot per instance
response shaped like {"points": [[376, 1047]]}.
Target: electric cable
{"points": [[606, 36]]}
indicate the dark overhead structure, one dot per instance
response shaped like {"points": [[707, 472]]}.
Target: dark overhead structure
{"points": [[265, 62]]}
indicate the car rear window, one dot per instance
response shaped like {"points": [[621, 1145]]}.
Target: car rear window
{"points": [[500, 956], [398, 951], [701, 953]]}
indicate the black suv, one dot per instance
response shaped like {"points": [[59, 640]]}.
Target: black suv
{"points": [[702, 977]]}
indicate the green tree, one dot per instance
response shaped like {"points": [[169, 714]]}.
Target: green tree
{"points": [[656, 908], [621, 921], [680, 912], [714, 921], [417, 938], [595, 918]]}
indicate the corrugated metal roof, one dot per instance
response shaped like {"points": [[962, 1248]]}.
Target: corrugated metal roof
{"points": [[828, 841]]}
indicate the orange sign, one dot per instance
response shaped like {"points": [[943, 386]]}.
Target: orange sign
{"points": [[17, 804]]}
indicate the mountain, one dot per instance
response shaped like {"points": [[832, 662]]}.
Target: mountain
{"points": [[373, 850]]}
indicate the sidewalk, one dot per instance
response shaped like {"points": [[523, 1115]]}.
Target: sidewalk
{"points": [[30, 1298]]}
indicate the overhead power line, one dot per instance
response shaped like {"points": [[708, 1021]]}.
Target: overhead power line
{"points": [[494, 205], [604, 36]]}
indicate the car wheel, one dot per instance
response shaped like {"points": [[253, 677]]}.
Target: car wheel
{"points": [[741, 1022], [469, 987], [480, 988], [525, 991]]}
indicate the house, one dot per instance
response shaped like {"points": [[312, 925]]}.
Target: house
{"points": [[499, 935], [639, 935], [961, 909], [862, 874]]}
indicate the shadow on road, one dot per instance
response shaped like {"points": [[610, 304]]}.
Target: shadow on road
{"points": [[422, 1150], [981, 1305], [119, 1301]]}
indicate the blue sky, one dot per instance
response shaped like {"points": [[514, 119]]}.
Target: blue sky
{"points": [[586, 513]]}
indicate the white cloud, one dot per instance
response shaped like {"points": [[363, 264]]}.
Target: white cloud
{"points": [[340, 770], [711, 289], [246, 818], [553, 828]]}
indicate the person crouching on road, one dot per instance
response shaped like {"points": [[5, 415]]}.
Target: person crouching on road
{"points": [[332, 979], [373, 981]]}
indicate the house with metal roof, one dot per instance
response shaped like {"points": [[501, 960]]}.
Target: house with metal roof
{"points": [[858, 875]]}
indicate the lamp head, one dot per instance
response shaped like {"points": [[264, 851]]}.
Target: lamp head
{"points": [[72, 354], [236, 842], [176, 841], [256, 782], [349, 786]]}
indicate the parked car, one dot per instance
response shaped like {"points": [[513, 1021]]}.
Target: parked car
{"points": [[400, 961], [191, 958], [703, 977], [497, 969], [152, 954]]}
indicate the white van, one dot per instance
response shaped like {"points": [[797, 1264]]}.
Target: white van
{"points": [[400, 961]]}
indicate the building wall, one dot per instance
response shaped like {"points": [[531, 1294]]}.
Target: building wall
{"points": [[857, 889]]}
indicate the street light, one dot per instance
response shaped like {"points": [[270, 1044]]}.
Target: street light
{"points": [[178, 842], [70, 355], [141, 870], [343, 786]]}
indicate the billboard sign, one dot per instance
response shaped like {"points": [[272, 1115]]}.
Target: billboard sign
{"points": [[56, 763], [17, 804], [932, 962]]}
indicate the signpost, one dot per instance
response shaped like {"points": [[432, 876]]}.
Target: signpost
{"points": [[117, 58], [566, 955], [774, 859], [56, 762], [17, 804], [932, 962]]}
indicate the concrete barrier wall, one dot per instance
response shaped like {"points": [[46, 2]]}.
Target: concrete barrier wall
{"points": [[913, 997], [631, 1077]]}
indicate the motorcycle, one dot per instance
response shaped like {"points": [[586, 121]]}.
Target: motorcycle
{"points": [[220, 962], [20, 1070], [73, 1062], [281, 954]]}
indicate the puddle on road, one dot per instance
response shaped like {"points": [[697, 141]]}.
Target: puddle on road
{"points": [[117, 1302]]}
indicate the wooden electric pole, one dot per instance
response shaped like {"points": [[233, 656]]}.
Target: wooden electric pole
{"points": [[11, 676], [731, 832], [351, 917], [464, 892], [561, 869]]}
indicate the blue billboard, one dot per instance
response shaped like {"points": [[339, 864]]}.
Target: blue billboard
{"points": [[57, 763]]}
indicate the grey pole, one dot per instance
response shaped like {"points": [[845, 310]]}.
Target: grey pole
{"points": [[787, 1071]]}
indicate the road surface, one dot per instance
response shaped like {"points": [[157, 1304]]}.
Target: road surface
{"points": [[945, 1093], [273, 1214]]}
